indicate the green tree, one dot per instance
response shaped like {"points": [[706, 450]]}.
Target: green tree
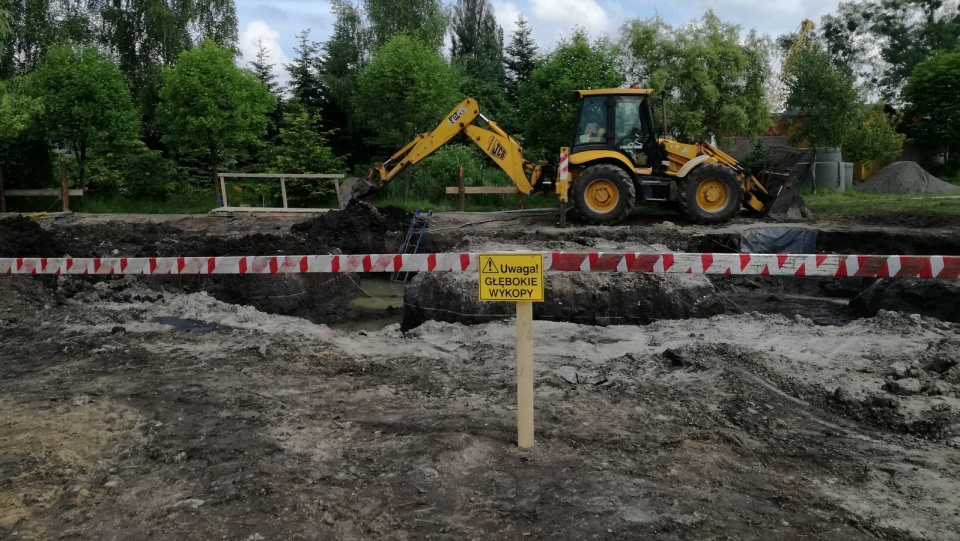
{"points": [[823, 91], [17, 109], [934, 103], [477, 41], [345, 55], [404, 91], [477, 56], [848, 38], [5, 18], [874, 138], [547, 102], [146, 35], [22, 155], [86, 102], [210, 108], [263, 70], [713, 75], [345, 52], [305, 149], [886, 39], [520, 59], [305, 72], [32, 31], [424, 20]]}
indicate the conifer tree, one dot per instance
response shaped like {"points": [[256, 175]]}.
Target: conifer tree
{"points": [[520, 59]]}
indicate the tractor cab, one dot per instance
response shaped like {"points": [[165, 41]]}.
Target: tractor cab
{"points": [[618, 120]]}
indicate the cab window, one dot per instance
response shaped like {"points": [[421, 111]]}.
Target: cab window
{"points": [[631, 134], [592, 126], [628, 124]]}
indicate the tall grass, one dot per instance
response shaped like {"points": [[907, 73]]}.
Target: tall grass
{"points": [[194, 202]]}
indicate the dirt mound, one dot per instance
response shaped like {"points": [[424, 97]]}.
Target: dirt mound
{"points": [[903, 178], [359, 228], [130, 240], [931, 298], [22, 237], [595, 299]]}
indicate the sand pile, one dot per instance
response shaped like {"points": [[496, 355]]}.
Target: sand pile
{"points": [[903, 178]]}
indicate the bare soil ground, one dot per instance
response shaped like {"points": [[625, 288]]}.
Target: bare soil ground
{"points": [[133, 408]]}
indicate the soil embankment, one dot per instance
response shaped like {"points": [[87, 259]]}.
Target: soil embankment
{"points": [[179, 408]]}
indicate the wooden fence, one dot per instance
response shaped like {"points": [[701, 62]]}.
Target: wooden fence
{"points": [[283, 191], [63, 192]]}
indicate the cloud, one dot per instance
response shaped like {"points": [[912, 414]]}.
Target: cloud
{"points": [[549, 19], [560, 16], [774, 18], [507, 14], [260, 32]]}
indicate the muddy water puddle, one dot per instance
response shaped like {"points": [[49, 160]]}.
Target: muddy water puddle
{"points": [[820, 310], [380, 304], [187, 324]]}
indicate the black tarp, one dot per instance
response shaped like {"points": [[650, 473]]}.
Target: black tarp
{"points": [[779, 240]]}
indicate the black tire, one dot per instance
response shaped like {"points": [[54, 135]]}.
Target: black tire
{"points": [[710, 194], [604, 194]]}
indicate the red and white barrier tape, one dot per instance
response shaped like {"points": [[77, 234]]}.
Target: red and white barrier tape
{"points": [[881, 266]]}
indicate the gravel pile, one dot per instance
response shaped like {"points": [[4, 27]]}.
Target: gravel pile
{"points": [[904, 178]]}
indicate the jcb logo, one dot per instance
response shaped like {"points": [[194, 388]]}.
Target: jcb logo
{"points": [[496, 149], [456, 116]]}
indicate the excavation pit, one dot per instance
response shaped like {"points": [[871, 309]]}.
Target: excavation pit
{"points": [[783, 415]]}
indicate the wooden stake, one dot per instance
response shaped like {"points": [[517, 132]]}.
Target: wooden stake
{"points": [[223, 192], [525, 374], [3, 201], [64, 191], [461, 192], [283, 191]]}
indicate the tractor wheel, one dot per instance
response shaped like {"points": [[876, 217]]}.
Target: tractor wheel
{"points": [[710, 194], [604, 194]]}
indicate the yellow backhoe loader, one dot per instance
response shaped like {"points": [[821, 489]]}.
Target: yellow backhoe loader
{"points": [[615, 157]]}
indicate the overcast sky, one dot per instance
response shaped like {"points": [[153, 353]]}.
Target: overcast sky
{"points": [[278, 22]]}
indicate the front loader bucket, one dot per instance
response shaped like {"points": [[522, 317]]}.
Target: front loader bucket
{"points": [[782, 201], [354, 188]]}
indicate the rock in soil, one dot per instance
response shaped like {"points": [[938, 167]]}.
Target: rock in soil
{"points": [[905, 386]]}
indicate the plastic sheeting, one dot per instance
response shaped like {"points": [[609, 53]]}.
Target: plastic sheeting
{"points": [[779, 240]]}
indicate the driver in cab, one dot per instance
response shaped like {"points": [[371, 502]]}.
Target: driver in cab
{"points": [[593, 133]]}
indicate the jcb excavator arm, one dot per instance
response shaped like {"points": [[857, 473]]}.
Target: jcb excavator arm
{"points": [[502, 149]]}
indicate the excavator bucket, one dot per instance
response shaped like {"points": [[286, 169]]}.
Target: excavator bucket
{"points": [[782, 202], [354, 188]]}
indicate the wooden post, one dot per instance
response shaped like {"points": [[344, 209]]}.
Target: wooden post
{"points": [[223, 192], [3, 201], [283, 191], [461, 192], [520, 200], [525, 374], [64, 191]]}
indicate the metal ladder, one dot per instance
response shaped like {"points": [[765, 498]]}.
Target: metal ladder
{"points": [[411, 242]]}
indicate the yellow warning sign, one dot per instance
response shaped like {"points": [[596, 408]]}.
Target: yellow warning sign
{"points": [[511, 277]]}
